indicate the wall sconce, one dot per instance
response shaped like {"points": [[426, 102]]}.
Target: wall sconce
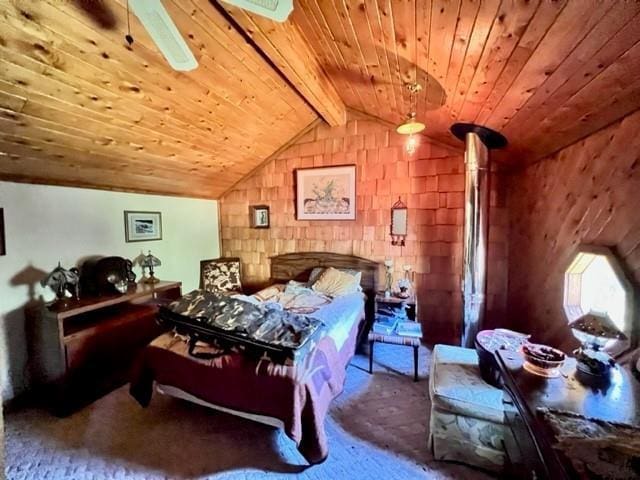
{"points": [[398, 223]]}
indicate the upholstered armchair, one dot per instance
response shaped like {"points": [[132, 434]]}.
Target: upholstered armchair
{"points": [[467, 417], [221, 275]]}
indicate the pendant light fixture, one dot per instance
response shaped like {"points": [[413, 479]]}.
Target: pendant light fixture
{"points": [[411, 126]]}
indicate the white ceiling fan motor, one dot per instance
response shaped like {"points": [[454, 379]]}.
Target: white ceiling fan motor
{"points": [[277, 10]]}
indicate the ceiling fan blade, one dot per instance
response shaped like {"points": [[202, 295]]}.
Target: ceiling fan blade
{"points": [[277, 10], [165, 34]]}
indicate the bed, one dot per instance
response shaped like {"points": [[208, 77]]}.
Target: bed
{"points": [[295, 397]]}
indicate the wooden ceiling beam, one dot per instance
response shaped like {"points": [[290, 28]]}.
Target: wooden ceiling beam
{"points": [[286, 48]]}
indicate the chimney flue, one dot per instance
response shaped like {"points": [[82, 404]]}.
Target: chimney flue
{"points": [[478, 140]]}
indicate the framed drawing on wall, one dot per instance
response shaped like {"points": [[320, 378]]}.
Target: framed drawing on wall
{"points": [[142, 226], [259, 216], [3, 247], [326, 193]]}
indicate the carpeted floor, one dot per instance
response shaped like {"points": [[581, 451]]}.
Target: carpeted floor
{"points": [[377, 429]]}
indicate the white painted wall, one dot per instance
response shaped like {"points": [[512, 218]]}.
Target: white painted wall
{"points": [[46, 224]]}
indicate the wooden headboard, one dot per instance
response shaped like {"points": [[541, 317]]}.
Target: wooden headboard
{"points": [[298, 266]]}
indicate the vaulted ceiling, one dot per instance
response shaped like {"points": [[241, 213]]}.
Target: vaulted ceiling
{"points": [[78, 106], [544, 73]]}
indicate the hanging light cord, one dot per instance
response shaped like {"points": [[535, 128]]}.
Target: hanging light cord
{"points": [[128, 36]]}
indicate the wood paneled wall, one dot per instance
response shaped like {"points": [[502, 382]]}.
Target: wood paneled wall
{"points": [[431, 183], [586, 193]]}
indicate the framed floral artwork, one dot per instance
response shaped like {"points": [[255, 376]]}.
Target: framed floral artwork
{"points": [[326, 193]]}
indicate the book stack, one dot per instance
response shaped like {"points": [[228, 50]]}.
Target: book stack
{"points": [[385, 324], [409, 329]]}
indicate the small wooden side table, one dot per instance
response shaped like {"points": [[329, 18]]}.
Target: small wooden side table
{"points": [[396, 302], [393, 337]]}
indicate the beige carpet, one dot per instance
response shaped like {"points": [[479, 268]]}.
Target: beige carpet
{"points": [[377, 430]]}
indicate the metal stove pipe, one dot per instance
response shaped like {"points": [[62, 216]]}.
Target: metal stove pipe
{"points": [[478, 140]]}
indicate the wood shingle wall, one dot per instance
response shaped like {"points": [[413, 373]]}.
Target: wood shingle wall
{"points": [[431, 183]]}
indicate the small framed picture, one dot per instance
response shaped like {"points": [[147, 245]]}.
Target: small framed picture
{"points": [[142, 226], [3, 247], [259, 216]]}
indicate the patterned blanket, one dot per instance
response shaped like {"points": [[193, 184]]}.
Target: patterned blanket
{"points": [[297, 394]]}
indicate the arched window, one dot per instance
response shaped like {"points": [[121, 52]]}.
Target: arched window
{"points": [[596, 282]]}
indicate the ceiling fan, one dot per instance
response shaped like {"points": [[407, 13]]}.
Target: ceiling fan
{"points": [[166, 36], [163, 32], [277, 10]]}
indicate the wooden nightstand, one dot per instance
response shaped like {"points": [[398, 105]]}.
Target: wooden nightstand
{"points": [[393, 303]]}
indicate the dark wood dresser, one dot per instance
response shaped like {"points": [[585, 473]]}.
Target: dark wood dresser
{"points": [[528, 440], [85, 349]]}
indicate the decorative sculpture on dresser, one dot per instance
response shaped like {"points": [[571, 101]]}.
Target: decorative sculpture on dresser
{"points": [[61, 281]]}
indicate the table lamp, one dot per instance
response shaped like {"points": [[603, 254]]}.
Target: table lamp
{"points": [[61, 281], [149, 261], [388, 265], [594, 330]]}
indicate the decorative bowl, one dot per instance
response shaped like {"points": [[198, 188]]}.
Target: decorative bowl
{"points": [[542, 360]]}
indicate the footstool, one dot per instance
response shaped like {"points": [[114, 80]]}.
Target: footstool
{"points": [[467, 418]]}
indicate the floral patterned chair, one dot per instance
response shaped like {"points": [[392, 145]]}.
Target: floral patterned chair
{"points": [[466, 423], [221, 275]]}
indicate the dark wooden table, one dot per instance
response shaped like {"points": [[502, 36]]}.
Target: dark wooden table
{"points": [[528, 440]]}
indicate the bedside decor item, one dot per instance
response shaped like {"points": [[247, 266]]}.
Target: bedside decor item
{"points": [[150, 262], [403, 288], [388, 285], [326, 193], [259, 216], [63, 281], [398, 223], [3, 246], [594, 330], [542, 360], [405, 285], [142, 226]]}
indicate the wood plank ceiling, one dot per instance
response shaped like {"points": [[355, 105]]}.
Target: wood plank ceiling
{"points": [[78, 106], [545, 73]]}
